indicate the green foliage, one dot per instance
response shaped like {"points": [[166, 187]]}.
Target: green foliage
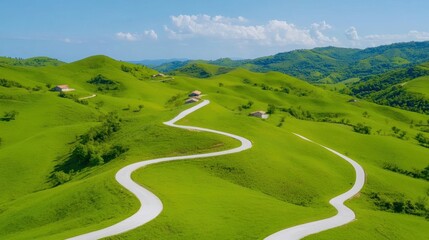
{"points": [[175, 101], [9, 115], [422, 174], [104, 84], [362, 128], [60, 177], [248, 105], [422, 139], [33, 62], [93, 148], [9, 83], [329, 64], [271, 109], [398, 204]]}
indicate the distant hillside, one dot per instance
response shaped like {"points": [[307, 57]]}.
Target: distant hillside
{"points": [[157, 62], [201, 70], [32, 62], [330, 64], [406, 88]]}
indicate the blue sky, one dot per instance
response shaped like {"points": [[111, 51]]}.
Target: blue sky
{"points": [[135, 30]]}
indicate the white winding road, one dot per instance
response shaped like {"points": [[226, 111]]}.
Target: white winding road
{"points": [[344, 215], [151, 205]]}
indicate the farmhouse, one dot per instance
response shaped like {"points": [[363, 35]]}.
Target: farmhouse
{"points": [[158, 75], [259, 114], [195, 93], [192, 100], [62, 88]]}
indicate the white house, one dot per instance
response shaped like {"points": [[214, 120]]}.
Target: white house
{"points": [[63, 88]]}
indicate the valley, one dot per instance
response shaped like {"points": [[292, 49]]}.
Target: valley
{"points": [[60, 151]]}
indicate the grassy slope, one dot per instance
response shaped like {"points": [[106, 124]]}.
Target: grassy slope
{"points": [[244, 169], [247, 195]]}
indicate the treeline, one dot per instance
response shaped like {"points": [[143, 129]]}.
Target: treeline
{"points": [[93, 148], [10, 83], [397, 203], [373, 84], [422, 174], [397, 96]]}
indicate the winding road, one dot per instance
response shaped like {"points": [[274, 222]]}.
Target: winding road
{"points": [[344, 215], [151, 205]]}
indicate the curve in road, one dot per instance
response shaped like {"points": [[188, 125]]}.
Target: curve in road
{"points": [[344, 215], [151, 205]]}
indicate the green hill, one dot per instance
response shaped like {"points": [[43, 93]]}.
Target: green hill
{"points": [[201, 70], [34, 62], [331, 64], [405, 88], [59, 154]]}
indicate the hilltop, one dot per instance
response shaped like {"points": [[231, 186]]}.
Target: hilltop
{"points": [[59, 153], [329, 64], [34, 62]]}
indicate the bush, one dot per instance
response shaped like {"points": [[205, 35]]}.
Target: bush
{"points": [[361, 128], [271, 109], [60, 177], [8, 116], [423, 141]]}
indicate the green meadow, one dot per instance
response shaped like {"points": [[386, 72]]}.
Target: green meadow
{"points": [[282, 181]]}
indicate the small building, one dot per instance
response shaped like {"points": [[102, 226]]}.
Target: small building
{"points": [[259, 114], [192, 100], [352, 100], [158, 75], [195, 93], [62, 88]]}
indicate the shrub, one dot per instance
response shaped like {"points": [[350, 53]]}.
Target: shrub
{"points": [[60, 177], [361, 128], [8, 116]]}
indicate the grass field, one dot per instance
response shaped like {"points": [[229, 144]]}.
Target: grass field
{"points": [[281, 182]]}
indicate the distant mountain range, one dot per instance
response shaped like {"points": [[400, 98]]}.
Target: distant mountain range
{"points": [[323, 65]]}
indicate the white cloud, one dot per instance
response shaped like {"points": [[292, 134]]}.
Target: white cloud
{"points": [[317, 32], [127, 36], [151, 34], [275, 32], [410, 36], [381, 39], [352, 34]]}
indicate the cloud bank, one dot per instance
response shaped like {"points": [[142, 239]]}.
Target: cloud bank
{"points": [[274, 32]]}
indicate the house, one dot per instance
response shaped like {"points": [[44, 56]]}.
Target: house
{"points": [[158, 75], [259, 114], [62, 88], [195, 93], [192, 100]]}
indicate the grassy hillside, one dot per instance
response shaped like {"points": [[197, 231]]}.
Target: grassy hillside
{"points": [[201, 70], [330, 64], [404, 88], [248, 195], [33, 62]]}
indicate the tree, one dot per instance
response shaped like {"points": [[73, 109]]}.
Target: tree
{"points": [[271, 109], [361, 128], [11, 115]]}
